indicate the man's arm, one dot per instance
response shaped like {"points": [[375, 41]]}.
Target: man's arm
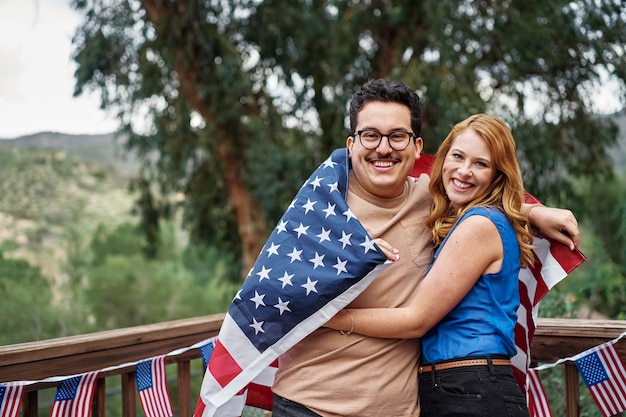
{"points": [[555, 223]]}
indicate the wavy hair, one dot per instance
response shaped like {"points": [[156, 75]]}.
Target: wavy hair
{"points": [[506, 191]]}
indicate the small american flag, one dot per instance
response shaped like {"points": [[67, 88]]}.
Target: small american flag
{"points": [[74, 396], [152, 388], [538, 405], [603, 371], [10, 399]]}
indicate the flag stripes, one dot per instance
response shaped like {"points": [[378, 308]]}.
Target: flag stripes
{"points": [[10, 399], [74, 396], [152, 388]]}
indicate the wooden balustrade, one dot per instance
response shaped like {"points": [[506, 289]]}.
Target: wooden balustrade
{"points": [[36, 361]]}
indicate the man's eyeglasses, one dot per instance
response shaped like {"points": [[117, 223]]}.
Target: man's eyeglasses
{"points": [[398, 141]]}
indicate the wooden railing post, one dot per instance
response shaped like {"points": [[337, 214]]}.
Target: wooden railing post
{"points": [[30, 404], [572, 386], [98, 407], [184, 388], [128, 394]]}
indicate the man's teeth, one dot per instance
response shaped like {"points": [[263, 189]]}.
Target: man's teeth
{"points": [[460, 184], [383, 164]]}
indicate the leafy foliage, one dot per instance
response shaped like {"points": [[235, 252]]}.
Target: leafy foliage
{"points": [[122, 288], [27, 303], [229, 93]]}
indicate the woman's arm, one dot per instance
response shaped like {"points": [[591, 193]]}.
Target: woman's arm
{"points": [[473, 248]]}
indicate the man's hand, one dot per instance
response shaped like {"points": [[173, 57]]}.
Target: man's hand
{"points": [[555, 223], [390, 252]]}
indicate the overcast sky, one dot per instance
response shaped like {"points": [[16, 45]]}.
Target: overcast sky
{"points": [[36, 72]]}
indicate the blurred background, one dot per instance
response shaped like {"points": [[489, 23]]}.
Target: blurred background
{"points": [[150, 146]]}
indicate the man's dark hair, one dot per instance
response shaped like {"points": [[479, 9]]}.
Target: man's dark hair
{"points": [[390, 92]]}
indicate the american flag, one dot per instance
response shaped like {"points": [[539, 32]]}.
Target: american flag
{"points": [[299, 247], [258, 393], [603, 371], [553, 262], [538, 405], [74, 396], [316, 261], [10, 399], [152, 387]]}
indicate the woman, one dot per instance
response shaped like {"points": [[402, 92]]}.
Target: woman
{"points": [[465, 307]]}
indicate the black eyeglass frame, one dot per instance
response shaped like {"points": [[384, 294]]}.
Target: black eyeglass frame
{"points": [[387, 135]]}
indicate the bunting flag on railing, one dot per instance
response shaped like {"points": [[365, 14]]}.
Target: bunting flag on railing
{"points": [[13, 391], [603, 371], [10, 399], [74, 396], [152, 388]]}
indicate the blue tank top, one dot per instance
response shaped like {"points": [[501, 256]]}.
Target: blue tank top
{"points": [[483, 322]]}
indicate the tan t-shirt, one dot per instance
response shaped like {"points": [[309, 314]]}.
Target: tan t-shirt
{"points": [[353, 375]]}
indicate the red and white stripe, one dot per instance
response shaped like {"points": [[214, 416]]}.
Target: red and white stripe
{"points": [[155, 401], [80, 405], [538, 405], [12, 399]]}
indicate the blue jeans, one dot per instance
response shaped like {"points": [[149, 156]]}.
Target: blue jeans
{"points": [[471, 391], [287, 408]]}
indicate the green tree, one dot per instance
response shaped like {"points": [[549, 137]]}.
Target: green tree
{"points": [[238, 96], [120, 287], [27, 303]]}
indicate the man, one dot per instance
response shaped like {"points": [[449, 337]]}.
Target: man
{"points": [[332, 373]]}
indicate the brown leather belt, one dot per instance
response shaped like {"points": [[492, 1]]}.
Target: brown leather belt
{"points": [[458, 364]]}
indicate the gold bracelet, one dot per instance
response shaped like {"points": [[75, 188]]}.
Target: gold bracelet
{"points": [[530, 209], [351, 327]]}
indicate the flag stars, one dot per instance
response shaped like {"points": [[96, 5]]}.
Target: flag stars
{"points": [[316, 182], [272, 250], [324, 235], [301, 230], [264, 273], [281, 227], [349, 215], [308, 206], [329, 163], [317, 261], [368, 244], [286, 279], [310, 285], [258, 300], [333, 187], [257, 326], [330, 210], [295, 255], [282, 306], [345, 239], [340, 266]]}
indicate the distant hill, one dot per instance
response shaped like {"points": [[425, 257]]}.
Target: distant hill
{"points": [[110, 149], [107, 149], [51, 200]]}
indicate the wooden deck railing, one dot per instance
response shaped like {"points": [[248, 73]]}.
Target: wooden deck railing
{"points": [[554, 339]]}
